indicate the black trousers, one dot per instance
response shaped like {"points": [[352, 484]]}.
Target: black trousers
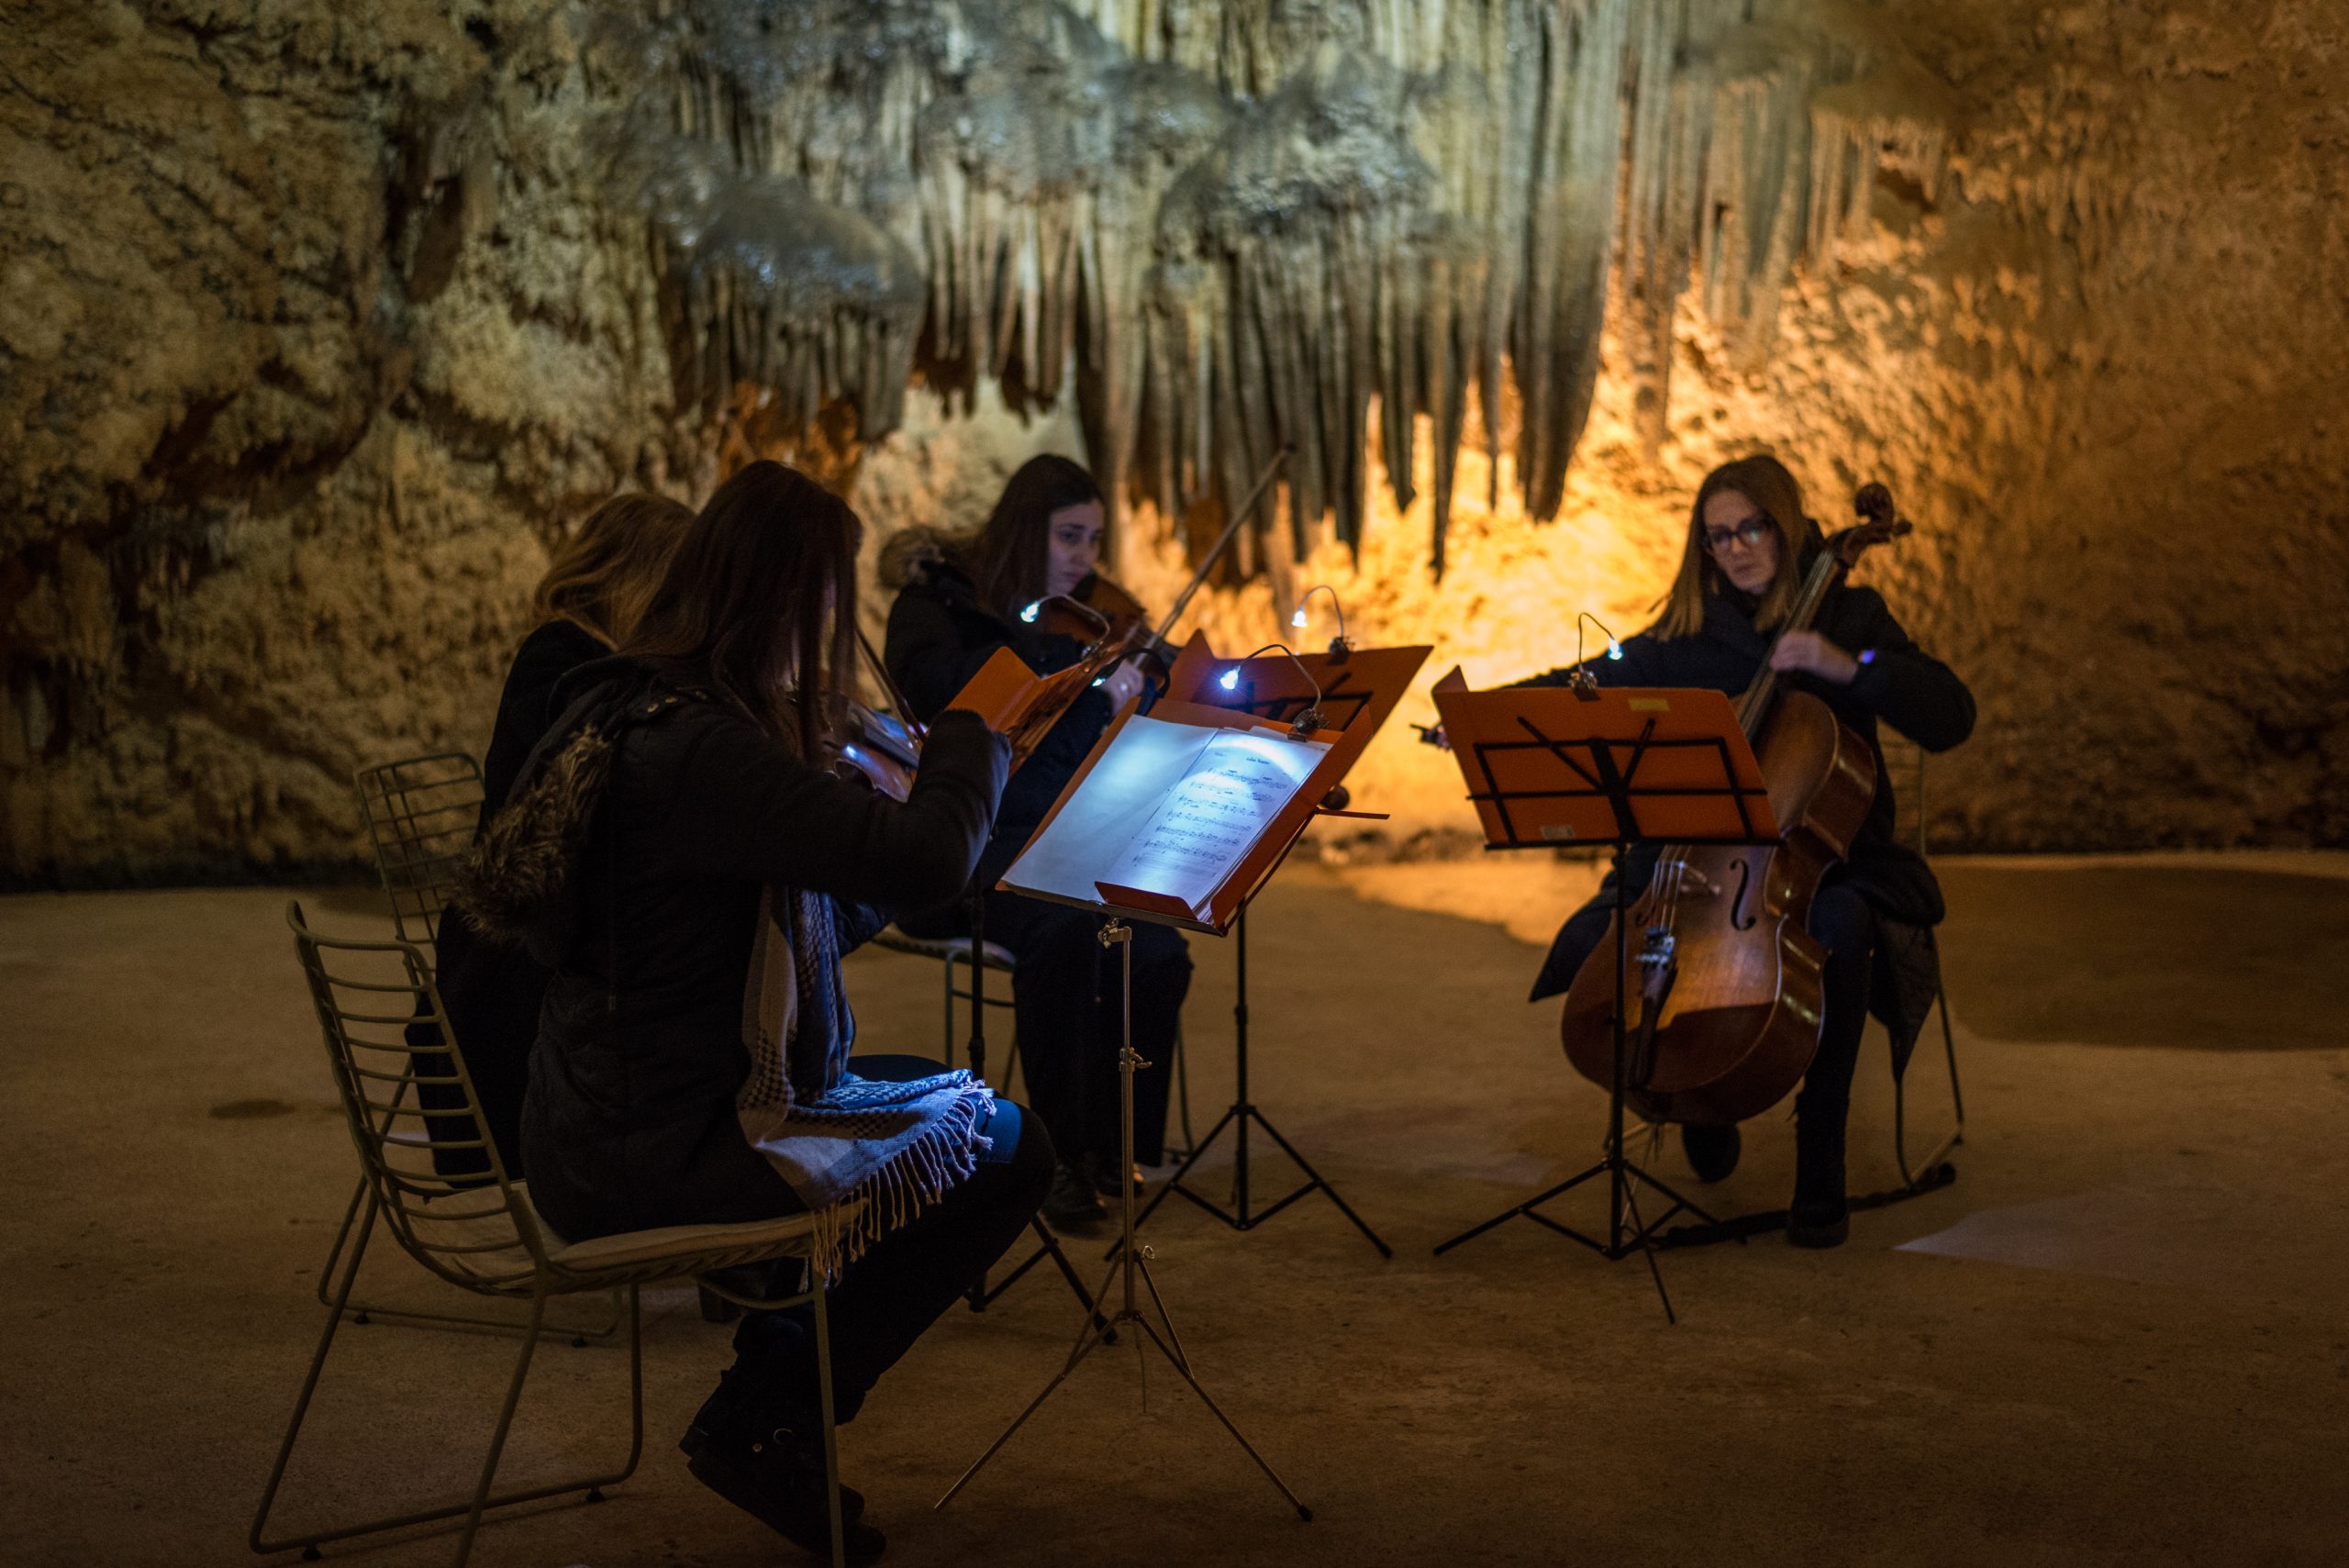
{"points": [[1068, 1005], [1841, 919], [882, 1302]]}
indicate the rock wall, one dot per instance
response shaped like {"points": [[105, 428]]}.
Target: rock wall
{"points": [[316, 323]]}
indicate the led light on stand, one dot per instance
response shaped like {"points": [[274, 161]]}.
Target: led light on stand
{"points": [[1297, 619], [1029, 615], [1614, 648], [1229, 679]]}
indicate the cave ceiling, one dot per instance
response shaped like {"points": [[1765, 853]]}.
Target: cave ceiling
{"points": [[1228, 229]]}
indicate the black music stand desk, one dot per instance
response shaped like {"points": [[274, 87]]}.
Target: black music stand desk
{"points": [[1553, 766]]}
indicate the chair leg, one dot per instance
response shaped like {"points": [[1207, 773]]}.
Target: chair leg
{"points": [[832, 1429], [1949, 1048], [482, 1499], [504, 1424], [310, 1381], [1914, 1174], [946, 1052], [341, 1236]]}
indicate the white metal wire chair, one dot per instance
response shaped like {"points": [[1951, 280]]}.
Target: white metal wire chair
{"points": [[487, 1238], [420, 814], [951, 952]]}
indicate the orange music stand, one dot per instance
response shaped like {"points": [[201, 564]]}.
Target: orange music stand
{"points": [[1177, 817], [1606, 766], [1354, 690], [1018, 704]]}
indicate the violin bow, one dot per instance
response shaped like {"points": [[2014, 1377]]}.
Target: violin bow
{"points": [[914, 726], [1240, 514]]}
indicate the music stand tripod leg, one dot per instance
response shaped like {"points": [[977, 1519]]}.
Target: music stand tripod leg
{"points": [[1242, 1111], [1623, 1176], [1126, 1269]]}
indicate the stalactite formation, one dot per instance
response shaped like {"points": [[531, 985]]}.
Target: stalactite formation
{"points": [[1248, 223]]}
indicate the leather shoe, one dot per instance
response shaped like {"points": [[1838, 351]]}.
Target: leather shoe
{"points": [[1712, 1151], [714, 1415], [1818, 1225], [1073, 1208], [1102, 1170]]}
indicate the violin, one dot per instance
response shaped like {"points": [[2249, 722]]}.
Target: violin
{"points": [[865, 746], [1111, 626], [1723, 1003], [871, 748]]}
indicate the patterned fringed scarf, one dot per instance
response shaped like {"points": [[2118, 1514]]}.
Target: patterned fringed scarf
{"points": [[865, 1156]]}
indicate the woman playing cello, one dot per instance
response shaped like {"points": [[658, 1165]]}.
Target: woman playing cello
{"points": [[1749, 547]]}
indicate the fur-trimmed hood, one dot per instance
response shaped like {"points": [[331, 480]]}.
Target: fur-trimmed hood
{"points": [[923, 555], [522, 863]]}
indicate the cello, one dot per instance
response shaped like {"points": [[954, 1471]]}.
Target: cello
{"points": [[1724, 1000]]}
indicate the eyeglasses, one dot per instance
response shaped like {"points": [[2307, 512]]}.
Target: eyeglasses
{"points": [[1749, 533]]}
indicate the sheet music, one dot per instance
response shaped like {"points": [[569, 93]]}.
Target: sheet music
{"points": [[1171, 808], [1214, 814]]}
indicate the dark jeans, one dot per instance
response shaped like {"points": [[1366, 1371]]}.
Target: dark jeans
{"points": [[1840, 919], [882, 1302], [1068, 1005]]}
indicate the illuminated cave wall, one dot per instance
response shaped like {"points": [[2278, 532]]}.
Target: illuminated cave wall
{"points": [[317, 321]]}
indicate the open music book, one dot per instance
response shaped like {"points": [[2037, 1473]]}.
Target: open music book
{"points": [[1169, 810]]}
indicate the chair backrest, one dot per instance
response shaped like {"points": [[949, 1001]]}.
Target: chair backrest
{"points": [[373, 999], [1904, 765], [420, 814]]}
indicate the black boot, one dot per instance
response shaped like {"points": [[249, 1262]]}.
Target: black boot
{"points": [[1712, 1151], [774, 1470], [1101, 1170], [1819, 1217], [719, 1411], [1073, 1208]]}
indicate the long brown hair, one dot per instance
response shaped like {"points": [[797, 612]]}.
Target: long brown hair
{"points": [[1765, 480], [760, 596], [603, 575], [1006, 556]]}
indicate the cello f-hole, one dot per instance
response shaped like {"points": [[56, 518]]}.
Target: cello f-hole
{"points": [[1739, 919]]}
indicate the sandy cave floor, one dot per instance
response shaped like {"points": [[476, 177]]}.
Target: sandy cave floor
{"points": [[2120, 1338]]}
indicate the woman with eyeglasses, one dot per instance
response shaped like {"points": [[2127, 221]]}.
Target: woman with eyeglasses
{"points": [[1750, 544]]}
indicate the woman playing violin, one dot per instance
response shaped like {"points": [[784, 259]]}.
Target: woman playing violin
{"points": [[959, 600], [597, 585], [677, 855], [1749, 546]]}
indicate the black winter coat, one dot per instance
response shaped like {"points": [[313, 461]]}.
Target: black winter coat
{"points": [[630, 1121], [491, 991], [1901, 684], [938, 635]]}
